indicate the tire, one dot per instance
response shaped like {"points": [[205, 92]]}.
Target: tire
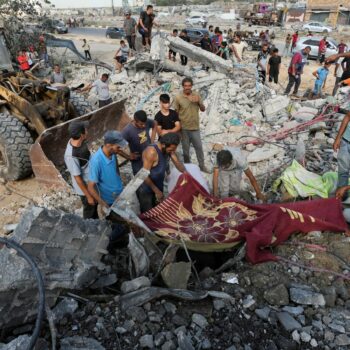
{"points": [[15, 143], [80, 103]]}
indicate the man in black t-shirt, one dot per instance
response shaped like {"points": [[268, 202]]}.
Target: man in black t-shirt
{"points": [[146, 22], [206, 43], [185, 37], [273, 66], [167, 119]]}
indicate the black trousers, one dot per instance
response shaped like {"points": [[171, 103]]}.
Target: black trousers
{"points": [[102, 103], [146, 199], [131, 41], [293, 81], [87, 55], [184, 60], [273, 76], [89, 211], [262, 76]]}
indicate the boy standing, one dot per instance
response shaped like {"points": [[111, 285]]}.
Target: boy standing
{"points": [[185, 37], [262, 62], [172, 54], [273, 66], [137, 135], [321, 77], [167, 119]]}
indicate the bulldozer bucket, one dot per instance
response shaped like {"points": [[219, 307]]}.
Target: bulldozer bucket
{"points": [[47, 153]]}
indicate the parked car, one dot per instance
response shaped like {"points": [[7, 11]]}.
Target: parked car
{"points": [[253, 43], [196, 34], [314, 42], [196, 21], [55, 26], [115, 33], [317, 27]]}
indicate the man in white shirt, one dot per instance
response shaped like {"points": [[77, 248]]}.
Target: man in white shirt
{"points": [[238, 47], [102, 90]]}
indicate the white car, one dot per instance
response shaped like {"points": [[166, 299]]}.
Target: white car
{"points": [[196, 21], [317, 27], [314, 42]]}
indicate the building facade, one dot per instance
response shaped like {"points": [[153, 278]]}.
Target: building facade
{"points": [[331, 12]]}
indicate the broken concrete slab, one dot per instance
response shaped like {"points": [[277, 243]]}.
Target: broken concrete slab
{"points": [[176, 275], [305, 114], [288, 322], [306, 297], [79, 343], [275, 105], [263, 153], [65, 307], [68, 251]]}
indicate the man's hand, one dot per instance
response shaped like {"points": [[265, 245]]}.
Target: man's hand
{"points": [[90, 200], [159, 195], [336, 145], [134, 156], [331, 58], [194, 98], [339, 194]]}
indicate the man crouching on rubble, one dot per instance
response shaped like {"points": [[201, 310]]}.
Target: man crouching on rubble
{"points": [[227, 175], [77, 157], [155, 160]]}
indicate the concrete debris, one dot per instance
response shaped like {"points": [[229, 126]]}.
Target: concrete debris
{"points": [[277, 295], [275, 105], [78, 343], [65, 307], [135, 284], [263, 153], [139, 261], [306, 297], [200, 320], [176, 275], [68, 251], [288, 322], [304, 114]]}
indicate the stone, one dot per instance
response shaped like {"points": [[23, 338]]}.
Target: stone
{"points": [[305, 337], [263, 153], [159, 339], [184, 342], [314, 343], [248, 302], [232, 347], [169, 345], [218, 304], [305, 114], [275, 105], [336, 327], [329, 336], [135, 284], [136, 314], [206, 344], [146, 341], [277, 295], [306, 297], [176, 275], [65, 307], [121, 330], [170, 308], [294, 310], [342, 340], [288, 322], [263, 313], [78, 343], [296, 336], [200, 320]]}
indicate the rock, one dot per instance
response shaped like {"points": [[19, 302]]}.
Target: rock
{"points": [[263, 313], [305, 337], [121, 330], [135, 284], [200, 320], [146, 341], [78, 343], [305, 114], [328, 336], [104, 281], [176, 275], [288, 322], [65, 307], [342, 340], [169, 345], [277, 295], [294, 310], [314, 343], [248, 302], [218, 304], [275, 105], [263, 153], [121, 77], [170, 308], [136, 314], [9, 228], [184, 342], [18, 343], [206, 344], [232, 347], [306, 297], [159, 339], [296, 336], [336, 327]]}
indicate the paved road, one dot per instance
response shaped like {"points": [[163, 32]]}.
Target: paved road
{"points": [[88, 32]]}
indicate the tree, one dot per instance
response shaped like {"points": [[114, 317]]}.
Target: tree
{"points": [[19, 8]]}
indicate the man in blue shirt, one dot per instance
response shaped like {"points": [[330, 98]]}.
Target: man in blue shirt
{"points": [[321, 77], [105, 184]]}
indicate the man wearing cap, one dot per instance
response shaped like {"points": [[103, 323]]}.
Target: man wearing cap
{"points": [[130, 29], [77, 157], [105, 184], [102, 90]]}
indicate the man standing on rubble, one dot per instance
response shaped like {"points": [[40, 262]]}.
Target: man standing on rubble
{"points": [[77, 158], [155, 160], [188, 104], [57, 77], [130, 29], [105, 184], [146, 22], [295, 69], [137, 134], [238, 47], [228, 172], [262, 62], [102, 89]]}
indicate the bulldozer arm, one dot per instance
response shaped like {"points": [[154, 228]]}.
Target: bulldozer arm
{"points": [[47, 153]]}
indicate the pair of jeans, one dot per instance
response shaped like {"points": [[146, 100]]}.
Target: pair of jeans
{"points": [[146, 199], [273, 76], [192, 137], [87, 54], [343, 163], [89, 211], [293, 80], [131, 41]]}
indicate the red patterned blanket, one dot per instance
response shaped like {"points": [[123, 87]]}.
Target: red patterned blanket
{"points": [[192, 216]]}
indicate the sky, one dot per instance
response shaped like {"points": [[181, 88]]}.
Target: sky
{"points": [[83, 3]]}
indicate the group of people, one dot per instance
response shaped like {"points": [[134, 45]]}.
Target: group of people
{"points": [[152, 145], [28, 57]]}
